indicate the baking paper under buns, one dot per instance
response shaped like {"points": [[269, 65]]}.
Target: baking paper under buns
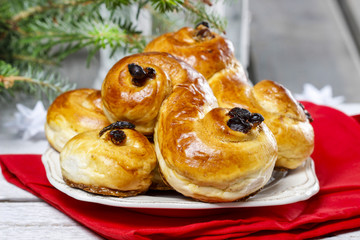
{"points": [[97, 165], [74, 112]]}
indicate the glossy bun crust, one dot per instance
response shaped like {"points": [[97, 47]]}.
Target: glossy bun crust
{"points": [[95, 164], [74, 112], [284, 116], [212, 55], [199, 155], [125, 100], [207, 52]]}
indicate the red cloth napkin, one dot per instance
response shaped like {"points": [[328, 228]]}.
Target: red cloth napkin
{"points": [[336, 207]]}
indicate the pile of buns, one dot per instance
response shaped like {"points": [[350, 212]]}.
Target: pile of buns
{"points": [[181, 116]]}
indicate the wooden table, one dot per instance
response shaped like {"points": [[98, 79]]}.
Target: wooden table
{"points": [[292, 42]]}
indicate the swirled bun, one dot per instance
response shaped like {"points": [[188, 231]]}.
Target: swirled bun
{"points": [[200, 155], [74, 112], [212, 55], [204, 50], [288, 120], [115, 163], [285, 117], [137, 98]]}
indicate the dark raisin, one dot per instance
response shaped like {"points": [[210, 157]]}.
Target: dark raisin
{"points": [[240, 113], [239, 125], [136, 71], [204, 33], [150, 72], [204, 23], [308, 115], [256, 118], [138, 82], [242, 120], [124, 124], [117, 136], [139, 74], [117, 125]]}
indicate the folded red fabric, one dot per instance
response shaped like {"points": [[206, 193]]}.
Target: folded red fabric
{"points": [[336, 207]]}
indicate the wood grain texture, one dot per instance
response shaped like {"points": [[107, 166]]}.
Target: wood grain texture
{"points": [[10, 192], [37, 220], [295, 42]]}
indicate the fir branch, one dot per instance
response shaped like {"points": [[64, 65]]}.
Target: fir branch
{"points": [[42, 32], [163, 6], [203, 14], [27, 13], [71, 37], [33, 81], [30, 59]]}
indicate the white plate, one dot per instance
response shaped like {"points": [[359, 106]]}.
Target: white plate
{"points": [[283, 188]]}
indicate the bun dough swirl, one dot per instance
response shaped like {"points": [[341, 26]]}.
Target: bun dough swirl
{"points": [[117, 163], [205, 51], [213, 56], [199, 154], [138, 101], [74, 112]]}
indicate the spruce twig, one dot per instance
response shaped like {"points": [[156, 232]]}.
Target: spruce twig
{"points": [[38, 33], [33, 81]]}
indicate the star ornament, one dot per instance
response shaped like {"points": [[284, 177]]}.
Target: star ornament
{"points": [[30, 122], [322, 96]]}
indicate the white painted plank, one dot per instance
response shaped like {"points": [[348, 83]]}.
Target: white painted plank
{"points": [[39, 221], [10, 192], [23, 221], [12, 145]]}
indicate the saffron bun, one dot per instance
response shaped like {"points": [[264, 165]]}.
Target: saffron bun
{"points": [[205, 51], [107, 166], [285, 117], [126, 99], [199, 153], [74, 112], [213, 56]]}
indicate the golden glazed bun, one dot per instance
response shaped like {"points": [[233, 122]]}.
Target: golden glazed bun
{"points": [[213, 56], [204, 50], [116, 162], [285, 117], [132, 93], [74, 112], [200, 154]]}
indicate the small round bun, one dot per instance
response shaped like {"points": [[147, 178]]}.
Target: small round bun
{"points": [[117, 163], [74, 112], [288, 120], [134, 90]]}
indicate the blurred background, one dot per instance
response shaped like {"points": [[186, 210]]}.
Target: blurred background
{"points": [[309, 41], [289, 41]]}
